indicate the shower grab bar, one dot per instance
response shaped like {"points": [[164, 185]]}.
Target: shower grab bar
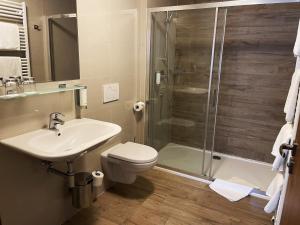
{"points": [[214, 98]]}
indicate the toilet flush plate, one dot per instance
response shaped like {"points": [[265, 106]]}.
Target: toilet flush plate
{"points": [[111, 92]]}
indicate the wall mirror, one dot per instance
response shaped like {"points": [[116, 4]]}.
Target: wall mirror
{"points": [[52, 39]]}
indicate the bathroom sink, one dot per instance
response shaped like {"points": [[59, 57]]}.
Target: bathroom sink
{"points": [[76, 137]]}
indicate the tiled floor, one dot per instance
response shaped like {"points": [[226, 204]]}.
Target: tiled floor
{"points": [[189, 160], [159, 198]]}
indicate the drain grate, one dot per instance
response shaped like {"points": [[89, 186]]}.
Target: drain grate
{"points": [[217, 157]]}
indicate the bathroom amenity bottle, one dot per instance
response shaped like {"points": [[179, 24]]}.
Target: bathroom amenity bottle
{"points": [[2, 88], [29, 84], [10, 86], [19, 86]]}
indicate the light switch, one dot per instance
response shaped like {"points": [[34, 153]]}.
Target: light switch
{"points": [[110, 92]]}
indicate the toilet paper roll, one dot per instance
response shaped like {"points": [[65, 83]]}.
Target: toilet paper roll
{"points": [[98, 178], [83, 97], [139, 106]]}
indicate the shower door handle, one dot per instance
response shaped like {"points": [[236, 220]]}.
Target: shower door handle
{"points": [[214, 98]]}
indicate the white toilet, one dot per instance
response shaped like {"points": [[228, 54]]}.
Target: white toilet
{"points": [[123, 162]]}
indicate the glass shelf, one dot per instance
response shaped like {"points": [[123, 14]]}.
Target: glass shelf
{"points": [[42, 92]]}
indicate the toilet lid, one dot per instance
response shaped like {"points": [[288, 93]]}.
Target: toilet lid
{"points": [[133, 152]]}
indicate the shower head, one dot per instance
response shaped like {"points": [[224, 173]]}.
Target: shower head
{"points": [[170, 17]]}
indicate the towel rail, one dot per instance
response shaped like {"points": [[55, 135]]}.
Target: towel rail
{"points": [[11, 6], [10, 16], [15, 12], [10, 9], [6, 11]]}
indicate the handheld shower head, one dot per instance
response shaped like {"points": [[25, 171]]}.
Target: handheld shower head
{"points": [[169, 17]]}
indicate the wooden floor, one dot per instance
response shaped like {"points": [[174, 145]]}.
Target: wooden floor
{"points": [[162, 198]]}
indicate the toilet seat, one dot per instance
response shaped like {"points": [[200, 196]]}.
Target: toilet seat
{"points": [[133, 153]]}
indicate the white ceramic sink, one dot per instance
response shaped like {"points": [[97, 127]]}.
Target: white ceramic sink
{"points": [[77, 136]]}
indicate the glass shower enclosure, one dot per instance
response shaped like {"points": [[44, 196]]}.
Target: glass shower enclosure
{"points": [[184, 75]]}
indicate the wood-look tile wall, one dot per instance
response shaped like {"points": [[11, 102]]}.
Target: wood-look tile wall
{"points": [[257, 64]]}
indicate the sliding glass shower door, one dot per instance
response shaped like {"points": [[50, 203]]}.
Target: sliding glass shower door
{"points": [[184, 74]]}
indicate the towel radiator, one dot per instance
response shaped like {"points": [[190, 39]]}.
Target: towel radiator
{"points": [[15, 12]]}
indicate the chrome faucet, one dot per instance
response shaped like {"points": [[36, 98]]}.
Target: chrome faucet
{"points": [[55, 121]]}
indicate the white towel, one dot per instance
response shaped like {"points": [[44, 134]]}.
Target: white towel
{"points": [[284, 137], [290, 104], [274, 191], [273, 203], [278, 164], [297, 44], [298, 63], [233, 192], [275, 185], [10, 66], [9, 36]]}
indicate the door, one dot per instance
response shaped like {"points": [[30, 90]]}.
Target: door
{"points": [[291, 209]]}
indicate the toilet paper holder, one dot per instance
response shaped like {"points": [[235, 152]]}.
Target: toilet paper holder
{"points": [[139, 106]]}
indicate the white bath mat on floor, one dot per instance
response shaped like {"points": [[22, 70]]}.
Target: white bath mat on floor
{"points": [[238, 180], [233, 192]]}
